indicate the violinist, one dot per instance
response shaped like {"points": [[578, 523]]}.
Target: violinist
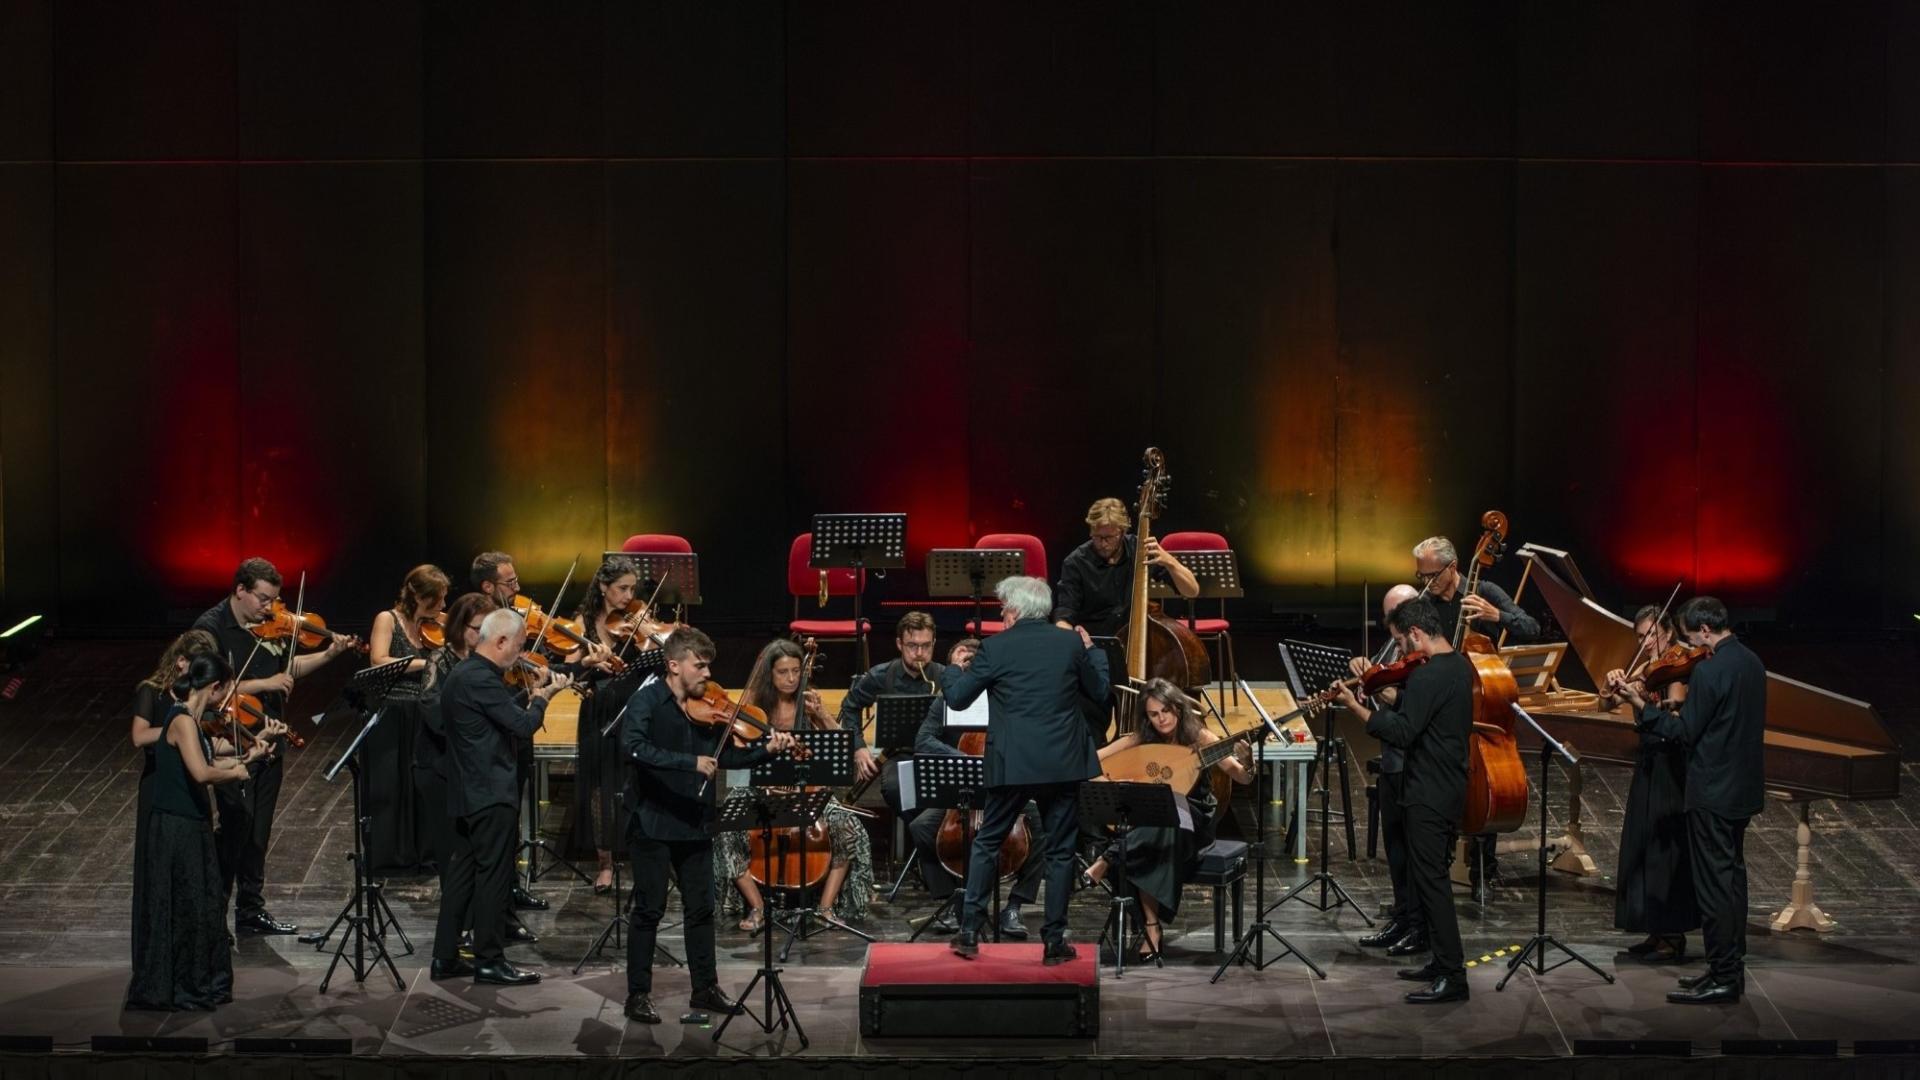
{"points": [[152, 700], [670, 807], [493, 576], [484, 721], [1405, 933], [1654, 895], [246, 809], [1161, 860], [434, 837], [393, 806], [1431, 725], [1096, 580], [1722, 724], [914, 672], [601, 769], [774, 688], [182, 956]]}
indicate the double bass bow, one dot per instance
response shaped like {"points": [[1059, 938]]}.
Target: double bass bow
{"points": [[1496, 777]]}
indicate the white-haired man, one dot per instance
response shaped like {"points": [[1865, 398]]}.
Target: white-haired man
{"points": [[1038, 748], [1405, 933]]}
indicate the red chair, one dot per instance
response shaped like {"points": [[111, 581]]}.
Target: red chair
{"points": [[804, 580], [1218, 631], [665, 543], [1035, 566]]}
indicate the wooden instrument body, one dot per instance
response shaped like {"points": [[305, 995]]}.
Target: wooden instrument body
{"points": [[1173, 652], [1496, 775], [779, 864], [1154, 763], [953, 846]]}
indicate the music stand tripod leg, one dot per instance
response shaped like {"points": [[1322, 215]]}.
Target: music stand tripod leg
{"points": [[1254, 941]]}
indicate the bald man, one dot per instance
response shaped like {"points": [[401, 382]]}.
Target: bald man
{"points": [[1404, 934]]}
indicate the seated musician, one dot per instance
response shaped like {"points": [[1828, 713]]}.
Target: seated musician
{"points": [[1096, 580], [935, 739], [774, 687], [1654, 891], [913, 673], [1160, 860]]}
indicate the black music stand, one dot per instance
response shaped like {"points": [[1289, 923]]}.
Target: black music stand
{"points": [[365, 914], [1306, 660], [1255, 941], [860, 542], [1537, 946], [896, 725], [1218, 572], [829, 763], [972, 572], [955, 783], [613, 932], [676, 573], [1123, 805], [767, 813]]}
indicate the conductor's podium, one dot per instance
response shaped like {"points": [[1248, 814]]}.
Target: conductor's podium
{"points": [[921, 990]]}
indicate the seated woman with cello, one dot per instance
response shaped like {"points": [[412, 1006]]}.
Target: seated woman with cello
{"points": [[778, 688], [1161, 860]]}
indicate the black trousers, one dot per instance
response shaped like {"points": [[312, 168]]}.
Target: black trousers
{"points": [[246, 828], [1393, 833], [1430, 836], [925, 830], [476, 885], [1718, 845], [691, 864], [1059, 828]]}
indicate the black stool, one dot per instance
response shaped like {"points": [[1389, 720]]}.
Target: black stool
{"points": [[1223, 868]]}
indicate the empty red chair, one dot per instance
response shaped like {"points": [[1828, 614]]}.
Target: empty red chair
{"points": [[1217, 630], [804, 581], [1036, 566]]}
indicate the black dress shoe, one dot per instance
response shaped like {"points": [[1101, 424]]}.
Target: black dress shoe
{"points": [[1010, 925], [526, 901], [1445, 988], [965, 944], [1688, 982], [451, 969], [1058, 952], [711, 999], [518, 934], [1411, 945], [501, 973], [1708, 991], [1645, 947], [640, 1007], [262, 923], [1425, 974], [1386, 935]]}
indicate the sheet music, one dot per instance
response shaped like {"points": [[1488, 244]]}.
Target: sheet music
{"points": [[907, 789], [973, 716]]}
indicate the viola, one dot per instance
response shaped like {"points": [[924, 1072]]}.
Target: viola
{"points": [[953, 844], [308, 628]]}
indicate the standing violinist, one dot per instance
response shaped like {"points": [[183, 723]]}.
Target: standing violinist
{"points": [[246, 808], [493, 575], [1406, 931], [913, 672], [774, 689], [670, 810], [600, 768], [393, 805], [1431, 726], [1722, 723], [1654, 894]]}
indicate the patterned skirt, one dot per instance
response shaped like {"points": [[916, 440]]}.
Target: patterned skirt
{"points": [[851, 848]]}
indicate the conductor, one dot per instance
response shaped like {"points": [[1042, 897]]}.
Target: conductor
{"points": [[1038, 748]]}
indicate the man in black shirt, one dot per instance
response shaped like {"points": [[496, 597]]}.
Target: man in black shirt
{"points": [[670, 796], [914, 672], [484, 724], [1723, 725], [1406, 931], [493, 576], [1431, 726], [246, 809], [1096, 580]]}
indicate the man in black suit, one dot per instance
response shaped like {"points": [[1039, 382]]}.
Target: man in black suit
{"points": [[1038, 748], [1406, 931], [484, 723], [1723, 725], [1431, 727], [671, 795]]}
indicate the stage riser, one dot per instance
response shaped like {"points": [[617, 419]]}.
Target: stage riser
{"points": [[966, 1011]]}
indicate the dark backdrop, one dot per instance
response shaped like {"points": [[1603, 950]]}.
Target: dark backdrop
{"points": [[361, 284]]}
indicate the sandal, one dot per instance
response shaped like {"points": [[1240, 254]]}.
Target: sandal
{"points": [[603, 884], [755, 921]]}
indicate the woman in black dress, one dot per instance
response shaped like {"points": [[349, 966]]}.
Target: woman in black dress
{"points": [[1653, 893], [599, 769], [393, 805], [151, 700], [1161, 860], [182, 955]]}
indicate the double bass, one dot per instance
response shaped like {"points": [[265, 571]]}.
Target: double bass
{"points": [[1158, 647], [1496, 777]]}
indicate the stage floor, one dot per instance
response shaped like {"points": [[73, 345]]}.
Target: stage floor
{"points": [[66, 849]]}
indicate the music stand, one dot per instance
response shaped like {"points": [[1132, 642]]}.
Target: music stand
{"points": [[829, 763], [955, 783], [972, 572], [1218, 572], [677, 573], [365, 914], [622, 911], [1537, 946], [1317, 661], [859, 542], [1122, 805], [897, 719], [768, 812]]}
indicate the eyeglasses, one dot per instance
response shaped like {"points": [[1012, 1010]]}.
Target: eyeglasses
{"points": [[264, 598], [1428, 578], [510, 583]]}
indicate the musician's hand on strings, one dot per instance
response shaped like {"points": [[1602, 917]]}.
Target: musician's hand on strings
{"points": [[1479, 609], [864, 766], [1158, 554], [706, 766], [340, 643], [779, 741], [555, 682], [273, 729], [1343, 695], [815, 706], [1358, 665]]}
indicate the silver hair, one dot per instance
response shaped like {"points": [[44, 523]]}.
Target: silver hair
{"points": [[1440, 546], [1026, 597], [499, 623]]}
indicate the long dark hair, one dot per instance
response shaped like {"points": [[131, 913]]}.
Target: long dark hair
{"points": [[207, 669], [760, 692], [595, 598], [188, 645], [1187, 731]]}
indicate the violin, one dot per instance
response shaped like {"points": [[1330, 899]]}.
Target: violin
{"points": [[1674, 665], [747, 723], [309, 629], [1380, 676], [636, 620], [245, 714], [563, 636], [433, 632], [525, 674]]}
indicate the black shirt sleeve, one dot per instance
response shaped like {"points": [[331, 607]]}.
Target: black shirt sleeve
{"points": [[1521, 627]]}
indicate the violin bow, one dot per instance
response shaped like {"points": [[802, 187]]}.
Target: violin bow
{"points": [[540, 646], [299, 620], [658, 585], [1657, 619]]}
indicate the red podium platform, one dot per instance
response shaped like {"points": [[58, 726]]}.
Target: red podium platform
{"points": [[921, 990]]}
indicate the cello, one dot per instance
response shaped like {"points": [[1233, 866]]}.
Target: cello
{"points": [[785, 859], [1158, 646], [953, 843], [1496, 777]]}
